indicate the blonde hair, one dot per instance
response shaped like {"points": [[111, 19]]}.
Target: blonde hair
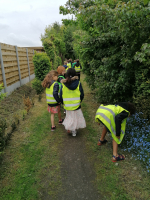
{"points": [[49, 78]]}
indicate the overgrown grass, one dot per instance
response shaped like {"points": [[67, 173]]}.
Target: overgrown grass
{"points": [[121, 181], [34, 162]]}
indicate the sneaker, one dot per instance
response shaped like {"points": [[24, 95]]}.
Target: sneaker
{"points": [[61, 121], [53, 128], [74, 133]]}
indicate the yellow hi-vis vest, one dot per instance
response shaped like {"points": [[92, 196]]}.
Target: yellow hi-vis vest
{"points": [[106, 114], [78, 69], [71, 98], [49, 95], [69, 66]]}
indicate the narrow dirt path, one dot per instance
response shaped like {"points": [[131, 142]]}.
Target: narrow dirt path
{"points": [[76, 171]]}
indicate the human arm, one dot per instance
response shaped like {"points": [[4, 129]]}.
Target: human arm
{"points": [[61, 99], [81, 92], [55, 92]]}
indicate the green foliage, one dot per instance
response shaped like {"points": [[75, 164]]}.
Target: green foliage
{"points": [[42, 65], [36, 84], [53, 44], [68, 40], [113, 44], [2, 95]]}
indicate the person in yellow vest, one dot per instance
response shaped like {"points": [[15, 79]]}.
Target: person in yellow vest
{"points": [[114, 117], [68, 64], [52, 97], [78, 68], [71, 95]]}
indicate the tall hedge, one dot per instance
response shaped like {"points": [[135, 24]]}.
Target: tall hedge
{"points": [[42, 65], [115, 49]]}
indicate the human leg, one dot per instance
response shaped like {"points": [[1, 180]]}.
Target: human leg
{"points": [[102, 139], [116, 156], [52, 120]]}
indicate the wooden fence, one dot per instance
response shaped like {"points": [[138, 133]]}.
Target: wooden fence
{"points": [[16, 66]]}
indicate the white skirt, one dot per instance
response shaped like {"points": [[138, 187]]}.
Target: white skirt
{"points": [[74, 120]]}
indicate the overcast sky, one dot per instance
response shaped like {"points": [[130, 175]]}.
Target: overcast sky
{"points": [[23, 21]]}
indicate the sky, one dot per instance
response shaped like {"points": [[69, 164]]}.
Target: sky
{"points": [[23, 21]]}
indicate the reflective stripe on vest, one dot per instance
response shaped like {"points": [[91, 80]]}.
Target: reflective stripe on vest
{"points": [[71, 98], [106, 114], [49, 94], [78, 69]]}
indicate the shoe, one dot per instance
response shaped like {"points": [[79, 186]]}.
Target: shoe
{"points": [[53, 128], [61, 121], [120, 157], [74, 133], [101, 142]]}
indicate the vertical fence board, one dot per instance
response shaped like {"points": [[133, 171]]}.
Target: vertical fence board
{"points": [[18, 65], [28, 63], [3, 70]]}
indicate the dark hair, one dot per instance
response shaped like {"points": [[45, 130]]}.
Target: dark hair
{"points": [[70, 73], [131, 108]]}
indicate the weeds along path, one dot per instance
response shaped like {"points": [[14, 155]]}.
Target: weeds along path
{"points": [[40, 164]]}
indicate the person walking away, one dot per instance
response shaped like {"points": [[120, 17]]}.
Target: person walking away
{"points": [[61, 74], [114, 117], [61, 71], [52, 97], [78, 68], [65, 65], [73, 64], [71, 95], [68, 64]]}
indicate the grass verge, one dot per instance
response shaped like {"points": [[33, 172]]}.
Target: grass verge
{"points": [[31, 166], [116, 181]]}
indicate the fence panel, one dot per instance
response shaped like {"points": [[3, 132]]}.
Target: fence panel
{"points": [[23, 62], [16, 66], [10, 64]]}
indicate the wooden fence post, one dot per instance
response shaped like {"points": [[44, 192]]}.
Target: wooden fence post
{"points": [[3, 70], [18, 65], [28, 63]]}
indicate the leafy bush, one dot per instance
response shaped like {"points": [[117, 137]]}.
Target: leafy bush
{"points": [[114, 31], [36, 84], [42, 65], [54, 45], [2, 95]]}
